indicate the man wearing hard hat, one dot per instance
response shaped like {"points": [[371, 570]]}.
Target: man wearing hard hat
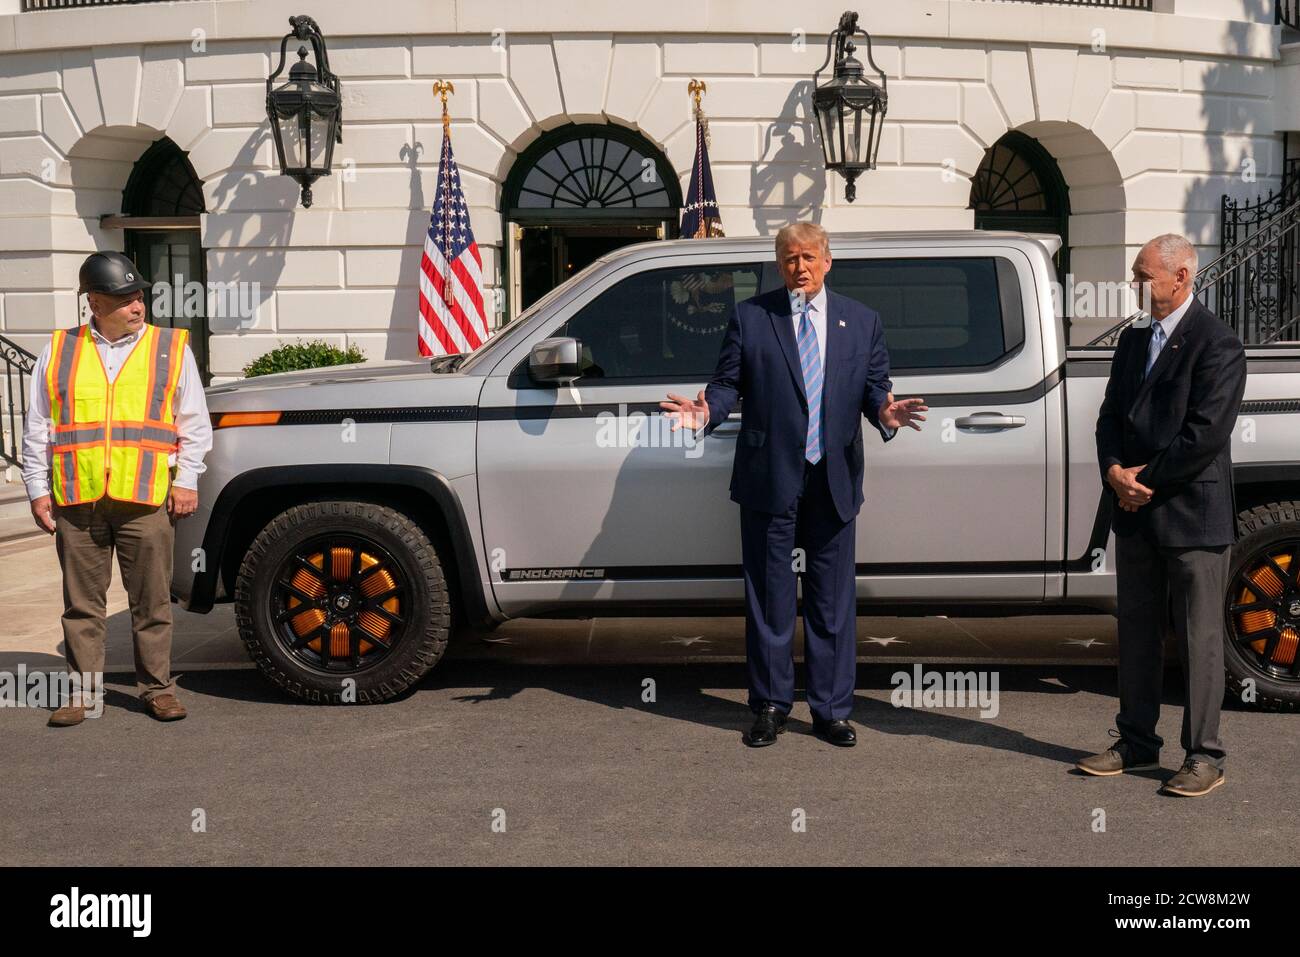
{"points": [[116, 431]]}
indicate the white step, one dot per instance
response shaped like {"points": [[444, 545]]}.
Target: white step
{"points": [[15, 514]]}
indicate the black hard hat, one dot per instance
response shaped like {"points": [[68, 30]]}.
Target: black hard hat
{"points": [[110, 273]]}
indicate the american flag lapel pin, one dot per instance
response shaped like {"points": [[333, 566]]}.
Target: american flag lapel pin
{"points": [[841, 322]]}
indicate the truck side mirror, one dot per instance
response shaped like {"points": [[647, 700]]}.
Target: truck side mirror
{"points": [[555, 361]]}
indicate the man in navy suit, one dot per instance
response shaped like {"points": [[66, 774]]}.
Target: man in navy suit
{"points": [[809, 364]]}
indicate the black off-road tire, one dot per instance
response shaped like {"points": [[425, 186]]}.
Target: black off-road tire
{"points": [[1259, 529], [427, 610]]}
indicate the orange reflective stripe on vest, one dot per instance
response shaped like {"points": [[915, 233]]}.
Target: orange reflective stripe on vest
{"points": [[113, 438]]}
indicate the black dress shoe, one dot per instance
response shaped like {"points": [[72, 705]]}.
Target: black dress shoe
{"points": [[838, 732], [769, 723]]}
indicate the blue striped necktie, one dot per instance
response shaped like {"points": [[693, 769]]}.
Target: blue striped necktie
{"points": [[811, 362], [1153, 350]]}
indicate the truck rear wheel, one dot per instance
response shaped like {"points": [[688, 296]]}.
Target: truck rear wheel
{"points": [[1262, 609], [343, 602]]}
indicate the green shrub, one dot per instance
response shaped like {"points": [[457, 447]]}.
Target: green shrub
{"points": [[303, 355]]}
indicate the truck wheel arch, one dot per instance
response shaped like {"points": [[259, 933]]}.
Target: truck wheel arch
{"points": [[1264, 483], [253, 498]]}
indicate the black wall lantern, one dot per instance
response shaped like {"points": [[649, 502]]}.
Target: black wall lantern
{"points": [[306, 113], [850, 108]]}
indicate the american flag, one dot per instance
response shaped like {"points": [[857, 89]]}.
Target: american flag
{"points": [[451, 271]]}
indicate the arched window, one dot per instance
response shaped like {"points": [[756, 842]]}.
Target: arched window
{"points": [[163, 183], [577, 193], [161, 203], [593, 167], [1018, 186]]}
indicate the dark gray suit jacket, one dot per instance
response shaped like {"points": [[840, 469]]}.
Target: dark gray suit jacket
{"points": [[1178, 422]]}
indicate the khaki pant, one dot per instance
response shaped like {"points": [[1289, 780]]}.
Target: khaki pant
{"points": [[86, 536]]}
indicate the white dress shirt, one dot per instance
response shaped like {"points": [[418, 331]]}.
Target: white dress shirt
{"points": [[1171, 320], [193, 427], [816, 315]]}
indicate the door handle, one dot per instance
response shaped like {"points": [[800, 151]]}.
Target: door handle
{"points": [[990, 422]]}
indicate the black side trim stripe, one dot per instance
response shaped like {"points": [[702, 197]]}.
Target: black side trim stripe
{"points": [[431, 413], [933, 400], [609, 573], [469, 413], [1093, 366], [588, 410], [1269, 406]]}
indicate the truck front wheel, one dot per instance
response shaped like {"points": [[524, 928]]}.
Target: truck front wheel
{"points": [[343, 602], [1262, 609]]}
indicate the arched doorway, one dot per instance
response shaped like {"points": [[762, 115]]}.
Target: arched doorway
{"points": [[161, 203], [576, 193], [1018, 186]]}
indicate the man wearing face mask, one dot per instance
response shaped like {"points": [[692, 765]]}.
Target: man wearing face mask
{"points": [[114, 405]]}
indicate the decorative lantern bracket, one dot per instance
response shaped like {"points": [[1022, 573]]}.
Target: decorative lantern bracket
{"points": [[842, 39], [305, 30], [849, 108]]}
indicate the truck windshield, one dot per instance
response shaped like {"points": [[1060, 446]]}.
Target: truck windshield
{"points": [[488, 347]]}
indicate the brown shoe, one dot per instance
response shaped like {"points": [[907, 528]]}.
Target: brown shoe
{"points": [[67, 716], [1118, 758], [1194, 779], [165, 707]]}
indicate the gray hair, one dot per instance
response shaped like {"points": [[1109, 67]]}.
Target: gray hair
{"points": [[803, 233], [1174, 251]]}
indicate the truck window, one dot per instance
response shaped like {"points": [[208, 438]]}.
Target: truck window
{"points": [[938, 313], [663, 323]]}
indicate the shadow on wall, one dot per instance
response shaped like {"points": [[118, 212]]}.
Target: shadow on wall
{"points": [[780, 190], [247, 243], [402, 342], [1243, 172]]}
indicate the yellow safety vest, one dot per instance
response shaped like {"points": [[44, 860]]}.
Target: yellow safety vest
{"points": [[113, 437]]}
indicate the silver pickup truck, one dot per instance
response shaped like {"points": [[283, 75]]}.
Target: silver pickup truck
{"points": [[356, 516]]}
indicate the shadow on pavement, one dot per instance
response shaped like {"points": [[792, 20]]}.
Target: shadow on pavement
{"points": [[685, 692]]}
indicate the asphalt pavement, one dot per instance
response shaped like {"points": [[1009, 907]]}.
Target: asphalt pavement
{"points": [[619, 741]]}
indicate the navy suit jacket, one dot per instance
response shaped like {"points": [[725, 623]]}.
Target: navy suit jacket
{"points": [[759, 364]]}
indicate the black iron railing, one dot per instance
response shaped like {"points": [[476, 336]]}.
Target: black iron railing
{"points": [[1264, 290], [1253, 285], [1288, 12], [17, 368], [1124, 4], [30, 5]]}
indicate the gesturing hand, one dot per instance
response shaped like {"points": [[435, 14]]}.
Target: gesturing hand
{"points": [[685, 412], [895, 415]]}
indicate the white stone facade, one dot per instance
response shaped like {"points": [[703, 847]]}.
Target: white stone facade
{"points": [[1152, 117]]}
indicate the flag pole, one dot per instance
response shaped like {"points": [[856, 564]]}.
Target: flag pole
{"points": [[697, 88], [701, 216], [441, 89]]}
